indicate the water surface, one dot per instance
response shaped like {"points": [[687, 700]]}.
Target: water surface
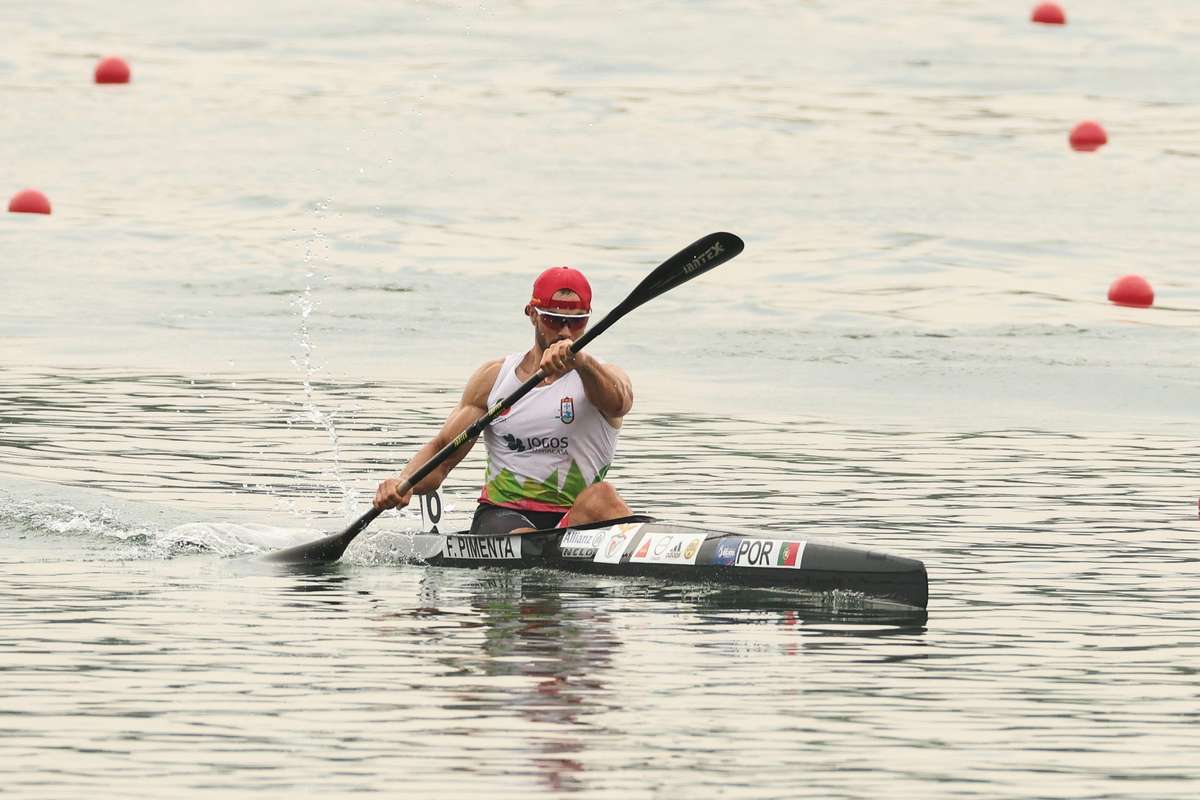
{"points": [[278, 253]]}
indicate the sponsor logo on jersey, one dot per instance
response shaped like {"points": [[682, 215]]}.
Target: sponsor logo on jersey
{"points": [[487, 548], [535, 444], [580, 544], [566, 410], [772, 553], [669, 548]]}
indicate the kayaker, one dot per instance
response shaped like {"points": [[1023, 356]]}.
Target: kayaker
{"points": [[548, 454]]}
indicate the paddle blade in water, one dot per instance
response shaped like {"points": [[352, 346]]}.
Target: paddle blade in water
{"points": [[322, 550], [330, 548]]}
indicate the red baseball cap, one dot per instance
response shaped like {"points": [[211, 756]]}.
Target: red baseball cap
{"points": [[557, 279]]}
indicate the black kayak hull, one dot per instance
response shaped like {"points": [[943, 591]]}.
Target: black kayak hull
{"points": [[645, 547]]}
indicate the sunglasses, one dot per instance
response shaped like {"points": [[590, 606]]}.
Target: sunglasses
{"points": [[574, 322]]}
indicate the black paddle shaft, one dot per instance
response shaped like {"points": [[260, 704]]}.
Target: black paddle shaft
{"points": [[695, 259]]}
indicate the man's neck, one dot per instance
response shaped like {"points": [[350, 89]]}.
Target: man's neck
{"points": [[529, 364]]}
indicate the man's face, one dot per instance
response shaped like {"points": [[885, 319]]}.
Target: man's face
{"points": [[554, 323]]}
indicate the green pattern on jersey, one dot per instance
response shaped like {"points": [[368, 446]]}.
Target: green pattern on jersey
{"points": [[505, 488]]}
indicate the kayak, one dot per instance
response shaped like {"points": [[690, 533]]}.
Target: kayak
{"points": [[646, 547]]}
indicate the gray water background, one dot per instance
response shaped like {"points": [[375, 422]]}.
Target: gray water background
{"points": [[277, 254]]}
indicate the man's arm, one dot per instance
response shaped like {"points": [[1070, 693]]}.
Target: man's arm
{"points": [[471, 406], [607, 385]]}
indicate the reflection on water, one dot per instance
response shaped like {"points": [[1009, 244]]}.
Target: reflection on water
{"points": [[554, 642], [564, 653]]}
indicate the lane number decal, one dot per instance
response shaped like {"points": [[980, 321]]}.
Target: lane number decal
{"points": [[431, 511]]}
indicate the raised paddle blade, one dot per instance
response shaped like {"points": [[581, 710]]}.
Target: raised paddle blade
{"points": [[329, 548], [695, 259]]}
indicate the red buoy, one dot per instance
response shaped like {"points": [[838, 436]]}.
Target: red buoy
{"points": [[1049, 14], [29, 201], [112, 70], [1131, 290], [1088, 136]]}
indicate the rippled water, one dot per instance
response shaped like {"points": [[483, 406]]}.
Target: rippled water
{"points": [[1059, 644], [277, 254]]}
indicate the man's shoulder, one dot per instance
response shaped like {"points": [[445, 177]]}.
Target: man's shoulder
{"points": [[488, 371], [491, 365], [479, 385]]}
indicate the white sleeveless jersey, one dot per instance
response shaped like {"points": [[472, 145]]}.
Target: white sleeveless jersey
{"points": [[548, 447]]}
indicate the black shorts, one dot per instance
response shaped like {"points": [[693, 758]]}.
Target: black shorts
{"points": [[490, 520]]}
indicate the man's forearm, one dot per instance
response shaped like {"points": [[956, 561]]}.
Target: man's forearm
{"points": [[606, 388], [459, 421]]}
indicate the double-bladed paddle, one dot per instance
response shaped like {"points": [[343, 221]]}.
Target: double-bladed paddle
{"points": [[695, 259]]}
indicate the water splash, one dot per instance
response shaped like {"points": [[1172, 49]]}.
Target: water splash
{"points": [[316, 249], [115, 537], [61, 518], [231, 539], [386, 547]]}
